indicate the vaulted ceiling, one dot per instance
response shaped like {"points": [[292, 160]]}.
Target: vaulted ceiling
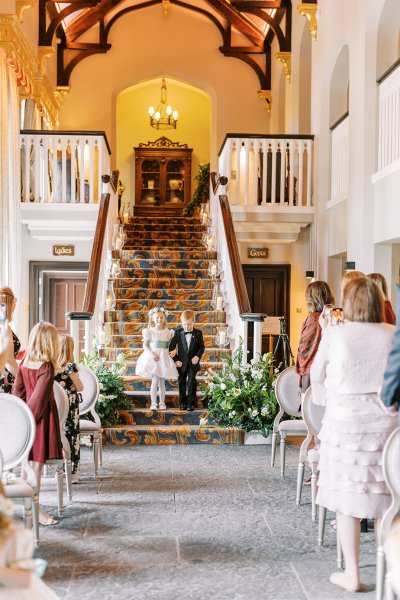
{"points": [[247, 28]]}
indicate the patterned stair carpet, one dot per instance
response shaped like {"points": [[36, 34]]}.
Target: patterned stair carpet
{"points": [[163, 263]]}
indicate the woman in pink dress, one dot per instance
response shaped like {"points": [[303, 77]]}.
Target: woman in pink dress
{"points": [[34, 384], [350, 364]]}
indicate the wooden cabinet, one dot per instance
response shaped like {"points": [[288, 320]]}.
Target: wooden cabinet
{"points": [[162, 177]]}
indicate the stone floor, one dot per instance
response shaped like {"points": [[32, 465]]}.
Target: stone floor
{"points": [[191, 522]]}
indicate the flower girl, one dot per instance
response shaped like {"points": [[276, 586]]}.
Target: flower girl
{"points": [[156, 361]]}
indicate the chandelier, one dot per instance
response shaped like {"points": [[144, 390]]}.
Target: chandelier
{"points": [[163, 117]]}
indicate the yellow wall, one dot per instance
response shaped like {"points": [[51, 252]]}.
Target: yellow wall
{"points": [[133, 125]]}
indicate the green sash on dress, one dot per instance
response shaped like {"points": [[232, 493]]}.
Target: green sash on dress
{"points": [[159, 344]]}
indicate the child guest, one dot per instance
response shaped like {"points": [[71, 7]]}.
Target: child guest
{"points": [[190, 349], [155, 361], [70, 381], [34, 384]]}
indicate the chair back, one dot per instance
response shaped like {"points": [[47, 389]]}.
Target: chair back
{"points": [[1, 464], [62, 402], [390, 463], [91, 389], [288, 392], [17, 430], [312, 413]]}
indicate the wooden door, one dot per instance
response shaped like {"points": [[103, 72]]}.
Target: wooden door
{"points": [[268, 287], [63, 293]]}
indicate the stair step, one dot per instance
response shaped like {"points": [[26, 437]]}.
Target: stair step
{"points": [[205, 365], [140, 227], [155, 234], [153, 273], [182, 244], [127, 294], [153, 435], [165, 253], [166, 263], [141, 400], [164, 283], [128, 329], [142, 316], [142, 384], [127, 342], [145, 416], [210, 355], [176, 304], [166, 220]]}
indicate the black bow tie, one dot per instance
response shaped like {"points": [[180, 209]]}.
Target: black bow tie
{"points": [[188, 332]]}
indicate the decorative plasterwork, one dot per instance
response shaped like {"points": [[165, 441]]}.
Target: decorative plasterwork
{"points": [[162, 142], [267, 96], [30, 69], [310, 12], [286, 59], [165, 4], [23, 5]]}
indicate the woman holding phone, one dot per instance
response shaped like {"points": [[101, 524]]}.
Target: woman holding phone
{"points": [[8, 299]]}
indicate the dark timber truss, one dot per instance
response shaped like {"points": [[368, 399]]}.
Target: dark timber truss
{"points": [[252, 19]]}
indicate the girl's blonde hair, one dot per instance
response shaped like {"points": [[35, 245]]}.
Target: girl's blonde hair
{"points": [[7, 296], [381, 283], [66, 343], [347, 277], [43, 345], [151, 317]]}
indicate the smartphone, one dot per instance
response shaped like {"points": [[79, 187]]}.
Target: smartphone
{"points": [[3, 313], [337, 316]]}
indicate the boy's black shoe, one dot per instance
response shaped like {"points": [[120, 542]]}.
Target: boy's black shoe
{"points": [[183, 406], [190, 408]]}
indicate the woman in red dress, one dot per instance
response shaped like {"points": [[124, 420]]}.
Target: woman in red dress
{"points": [[388, 312], [34, 384]]}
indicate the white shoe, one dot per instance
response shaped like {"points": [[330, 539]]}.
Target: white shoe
{"points": [[162, 406], [153, 406]]}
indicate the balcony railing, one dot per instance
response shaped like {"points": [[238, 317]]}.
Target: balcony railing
{"points": [[389, 119], [268, 170], [340, 160], [63, 166]]}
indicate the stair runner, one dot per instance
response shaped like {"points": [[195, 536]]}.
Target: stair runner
{"points": [[163, 263]]}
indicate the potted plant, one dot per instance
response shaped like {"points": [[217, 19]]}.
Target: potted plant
{"points": [[202, 191], [112, 397], [243, 395]]}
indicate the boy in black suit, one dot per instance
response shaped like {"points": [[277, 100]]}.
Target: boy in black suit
{"points": [[187, 359]]}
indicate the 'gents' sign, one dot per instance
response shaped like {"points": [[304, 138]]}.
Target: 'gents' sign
{"points": [[257, 252], [64, 250]]}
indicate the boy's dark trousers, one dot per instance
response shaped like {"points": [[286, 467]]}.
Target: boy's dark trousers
{"points": [[187, 383]]}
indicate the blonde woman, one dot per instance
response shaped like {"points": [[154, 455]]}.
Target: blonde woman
{"points": [[7, 296], [350, 364], [34, 385], [69, 379], [18, 572]]}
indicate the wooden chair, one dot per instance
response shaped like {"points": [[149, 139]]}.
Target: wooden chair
{"points": [[390, 463], [90, 394], [288, 397], [17, 434], [312, 415]]}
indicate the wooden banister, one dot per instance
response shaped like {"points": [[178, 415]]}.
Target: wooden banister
{"points": [[237, 271], [89, 301]]}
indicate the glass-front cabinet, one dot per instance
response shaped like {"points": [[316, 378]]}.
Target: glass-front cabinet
{"points": [[162, 175]]}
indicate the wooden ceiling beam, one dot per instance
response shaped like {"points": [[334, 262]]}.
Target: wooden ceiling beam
{"points": [[84, 22], [243, 5], [238, 20]]}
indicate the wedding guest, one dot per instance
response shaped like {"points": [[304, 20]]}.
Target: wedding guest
{"points": [[347, 277], [389, 314], [34, 384], [7, 296], [350, 363], [390, 393], [4, 346], [69, 379], [318, 293]]}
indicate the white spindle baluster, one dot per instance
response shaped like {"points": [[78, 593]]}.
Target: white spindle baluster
{"points": [[56, 174], [291, 172], [246, 199], [73, 168], [302, 146], [36, 167], [309, 158], [273, 174], [255, 173], [46, 171], [264, 173], [100, 166], [283, 170], [64, 142], [91, 169], [82, 169], [238, 150]]}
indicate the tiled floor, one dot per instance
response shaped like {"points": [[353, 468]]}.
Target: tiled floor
{"points": [[191, 522]]}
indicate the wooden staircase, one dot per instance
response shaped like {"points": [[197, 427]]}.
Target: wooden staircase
{"points": [[163, 263]]}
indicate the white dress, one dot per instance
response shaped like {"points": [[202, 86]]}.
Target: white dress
{"points": [[146, 366], [16, 550], [350, 365]]}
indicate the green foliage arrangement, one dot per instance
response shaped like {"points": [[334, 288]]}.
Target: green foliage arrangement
{"points": [[112, 397], [242, 396], [202, 191]]}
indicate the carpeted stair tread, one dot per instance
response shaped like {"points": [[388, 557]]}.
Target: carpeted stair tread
{"points": [[141, 400], [131, 366], [133, 227], [165, 294], [165, 254], [171, 416], [134, 236], [135, 328], [210, 354], [154, 272], [164, 263], [175, 304], [168, 434], [142, 316], [167, 282], [160, 243], [129, 342]]}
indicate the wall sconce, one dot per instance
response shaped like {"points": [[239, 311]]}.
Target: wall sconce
{"points": [[310, 276], [349, 266]]}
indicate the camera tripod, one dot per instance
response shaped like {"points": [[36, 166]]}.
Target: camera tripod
{"points": [[283, 342]]}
